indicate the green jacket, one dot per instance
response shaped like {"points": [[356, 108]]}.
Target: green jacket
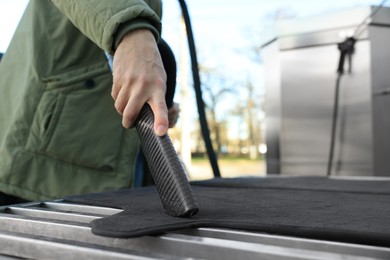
{"points": [[59, 131]]}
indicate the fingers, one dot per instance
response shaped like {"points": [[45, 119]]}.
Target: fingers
{"points": [[121, 100], [115, 89], [132, 109], [129, 106]]}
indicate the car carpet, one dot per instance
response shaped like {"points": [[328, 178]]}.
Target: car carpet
{"points": [[308, 207]]}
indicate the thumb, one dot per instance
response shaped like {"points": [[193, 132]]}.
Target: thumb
{"points": [[160, 112]]}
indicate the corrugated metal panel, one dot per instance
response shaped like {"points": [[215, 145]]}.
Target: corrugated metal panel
{"points": [[61, 230]]}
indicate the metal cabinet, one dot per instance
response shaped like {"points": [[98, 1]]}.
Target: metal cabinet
{"points": [[300, 65]]}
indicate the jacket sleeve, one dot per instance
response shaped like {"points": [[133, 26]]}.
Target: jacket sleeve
{"points": [[106, 22]]}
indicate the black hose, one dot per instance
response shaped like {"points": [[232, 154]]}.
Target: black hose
{"points": [[169, 62], [334, 124], [198, 91]]}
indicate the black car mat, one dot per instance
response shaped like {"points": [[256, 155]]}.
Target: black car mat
{"points": [[337, 211], [359, 185]]}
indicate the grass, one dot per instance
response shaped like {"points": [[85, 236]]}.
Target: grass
{"points": [[229, 167], [227, 158]]}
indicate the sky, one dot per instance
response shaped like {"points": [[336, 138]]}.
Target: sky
{"points": [[216, 23], [219, 25], [224, 30]]}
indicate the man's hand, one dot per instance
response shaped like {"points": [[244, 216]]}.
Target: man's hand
{"points": [[138, 78]]}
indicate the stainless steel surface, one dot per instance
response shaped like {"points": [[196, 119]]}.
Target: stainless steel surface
{"points": [[60, 230], [381, 99], [305, 56], [345, 18], [273, 107]]}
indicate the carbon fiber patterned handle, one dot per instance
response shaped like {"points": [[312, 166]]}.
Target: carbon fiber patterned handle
{"points": [[166, 168]]}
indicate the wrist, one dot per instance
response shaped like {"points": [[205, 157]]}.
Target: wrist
{"points": [[128, 28]]}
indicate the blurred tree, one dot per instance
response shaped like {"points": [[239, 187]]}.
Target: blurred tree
{"points": [[249, 111], [251, 106], [216, 87], [253, 109]]}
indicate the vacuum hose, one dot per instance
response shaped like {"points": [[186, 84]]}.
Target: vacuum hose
{"points": [[165, 167]]}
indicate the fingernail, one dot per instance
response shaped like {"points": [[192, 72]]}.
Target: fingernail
{"points": [[161, 130]]}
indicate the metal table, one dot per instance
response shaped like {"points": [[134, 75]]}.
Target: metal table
{"points": [[50, 230]]}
